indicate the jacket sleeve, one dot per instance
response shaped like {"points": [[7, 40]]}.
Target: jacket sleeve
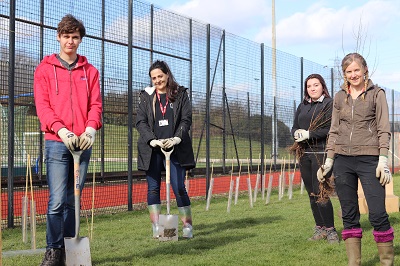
{"points": [[382, 122], [334, 129], [323, 121], [95, 103], [186, 116], [296, 122], [142, 119], [49, 121]]}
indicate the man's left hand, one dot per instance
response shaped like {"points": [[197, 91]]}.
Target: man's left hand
{"points": [[86, 140]]}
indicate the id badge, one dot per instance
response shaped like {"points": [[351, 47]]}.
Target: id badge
{"points": [[163, 122]]}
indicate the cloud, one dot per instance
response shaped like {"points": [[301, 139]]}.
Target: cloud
{"points": [[117, 30], [325, 25], [237, 16]]}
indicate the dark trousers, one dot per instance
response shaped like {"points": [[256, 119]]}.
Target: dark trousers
{"points": [[347, 170], [309, 165], [153, 176]]}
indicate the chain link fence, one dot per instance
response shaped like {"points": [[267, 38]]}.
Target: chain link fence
{"points": [[243, 102]]}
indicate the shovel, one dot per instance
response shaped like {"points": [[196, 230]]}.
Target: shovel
{"points": [[168, 224], [77, 249]]}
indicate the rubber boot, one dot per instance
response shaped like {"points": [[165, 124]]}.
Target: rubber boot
{"points": [[353, 250], [386, 253], [186, 217], [384, 241], [155, 210]]}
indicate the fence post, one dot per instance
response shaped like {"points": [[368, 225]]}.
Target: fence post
{"points": [[130, 105], [11, 131], [262, 108], [208, 91]]}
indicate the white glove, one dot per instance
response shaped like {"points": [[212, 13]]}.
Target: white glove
{"points": [[324, 169], [156, 142], [69, 138], [301, 134], [87, 138], [383, 171], [169, 143]]}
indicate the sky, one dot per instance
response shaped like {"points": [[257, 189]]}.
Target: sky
{"points": [[320, 31]]}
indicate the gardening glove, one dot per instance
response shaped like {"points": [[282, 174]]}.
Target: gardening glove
{"points": [[156, 142], [301, 134], [324, 169], [69, 138], [87, 138], [383, 171], [169, 143]]}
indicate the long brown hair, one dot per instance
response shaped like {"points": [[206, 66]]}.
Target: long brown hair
{"points": [[172, 85], [347, 60]]}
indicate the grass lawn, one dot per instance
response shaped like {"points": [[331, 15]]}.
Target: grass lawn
{"points": [[273, 234]]}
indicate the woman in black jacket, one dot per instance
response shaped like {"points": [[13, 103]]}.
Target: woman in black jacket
{"points": [[163, 120], [310, 129]]}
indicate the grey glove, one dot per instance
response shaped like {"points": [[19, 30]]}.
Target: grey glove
{"points": [[157, 142], [70, 140], [301, 134], [87, 138], [169, 143], [383, 171], [324, 169]]}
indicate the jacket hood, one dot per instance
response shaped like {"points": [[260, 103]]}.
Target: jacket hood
{"points": [[150, 90], [55, 64], [52, 60]]}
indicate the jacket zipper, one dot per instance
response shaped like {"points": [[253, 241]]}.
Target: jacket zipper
{"points": [[352, 118], [72, 109]]}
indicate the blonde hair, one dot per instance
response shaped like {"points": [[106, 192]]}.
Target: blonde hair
{"points": [[347, 60]]}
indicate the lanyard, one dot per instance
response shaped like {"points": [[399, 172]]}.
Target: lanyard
{"points": [[162, 108]]}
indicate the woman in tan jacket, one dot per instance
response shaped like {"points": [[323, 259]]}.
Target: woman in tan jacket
{"points": [[357, 149]]}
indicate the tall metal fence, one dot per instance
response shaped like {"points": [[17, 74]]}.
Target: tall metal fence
{"points": [[242, 110]]}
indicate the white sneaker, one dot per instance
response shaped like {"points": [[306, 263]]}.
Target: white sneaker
{"points": [[187, 231]]}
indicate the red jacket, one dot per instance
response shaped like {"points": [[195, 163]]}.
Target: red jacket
{"points": [[66, 98]]}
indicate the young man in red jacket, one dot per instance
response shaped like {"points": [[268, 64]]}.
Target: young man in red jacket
{"points": [[69, 107]]}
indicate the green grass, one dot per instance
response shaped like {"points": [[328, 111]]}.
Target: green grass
{"points": [[273, 234]]}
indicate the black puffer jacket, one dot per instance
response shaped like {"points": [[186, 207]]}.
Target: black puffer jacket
{"points": [[306, 113], [182, 122]]}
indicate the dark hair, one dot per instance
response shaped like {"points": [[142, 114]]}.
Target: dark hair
{"points": [[69, 24], [324, 88], [172, 85]]}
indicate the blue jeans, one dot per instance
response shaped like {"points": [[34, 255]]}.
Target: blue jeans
{"points": [[153, 176], [347, 170], [60, 179]]}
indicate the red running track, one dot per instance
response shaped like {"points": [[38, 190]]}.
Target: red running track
{"points": [[116, 194]]}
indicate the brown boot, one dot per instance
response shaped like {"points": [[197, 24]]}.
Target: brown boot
{"points": [[154, 211], [386, 253], [353, 250], [319, 234]]}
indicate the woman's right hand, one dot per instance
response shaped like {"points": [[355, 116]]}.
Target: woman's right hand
{"points": [[157, 142], [324, 169]]}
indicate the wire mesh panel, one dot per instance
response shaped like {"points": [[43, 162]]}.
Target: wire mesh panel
{"points": [[196, 52]]}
